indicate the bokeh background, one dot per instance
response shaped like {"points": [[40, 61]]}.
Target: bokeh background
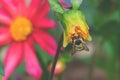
{"points": [[102, 62]]}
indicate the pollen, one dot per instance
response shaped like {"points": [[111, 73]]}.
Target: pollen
{"points": [[20, 29], [78, 32]]}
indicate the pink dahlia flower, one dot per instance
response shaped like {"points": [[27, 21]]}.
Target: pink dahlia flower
{"points": [[22, 25]]}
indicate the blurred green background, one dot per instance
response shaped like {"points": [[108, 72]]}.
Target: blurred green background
{"points": [[102, 62]]}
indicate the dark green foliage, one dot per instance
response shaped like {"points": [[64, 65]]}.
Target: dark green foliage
{"points": [[1, 69]]}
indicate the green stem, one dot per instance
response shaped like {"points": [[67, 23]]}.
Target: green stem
{"points": [[56, 57]]}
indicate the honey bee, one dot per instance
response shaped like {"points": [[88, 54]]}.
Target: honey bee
{"points": [[79, 44]]}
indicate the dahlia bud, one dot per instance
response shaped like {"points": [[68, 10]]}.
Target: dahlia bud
{"points": [[60, 67], [75, 28], [74, 25]]}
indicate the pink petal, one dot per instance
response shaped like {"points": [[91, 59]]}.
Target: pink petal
{"points": [[45, 7], [4, 18], [42, 11], [46, 42], [4, 36], [33, 7], [13, 58], [44, 23], [21, 6], [31, 61], [40, 19], [9, 7]]}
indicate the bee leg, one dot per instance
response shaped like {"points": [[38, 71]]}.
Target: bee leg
{"points": [[86, 48], [73, 51]]}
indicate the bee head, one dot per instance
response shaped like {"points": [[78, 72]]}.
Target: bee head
{"points": [[78, 42]]}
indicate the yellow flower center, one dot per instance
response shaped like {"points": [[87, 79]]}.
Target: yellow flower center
{"points": [[20, 29]]}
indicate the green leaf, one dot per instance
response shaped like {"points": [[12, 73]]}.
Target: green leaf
{"points": [[44, 56], [110, 48], [66, 57], [76, 3], [0, 77], [109, 29], [56, 6], [44, 59], [1, 69], [105, 6], [21, 69]]}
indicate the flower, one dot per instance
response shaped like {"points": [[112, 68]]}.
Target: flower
{"points": [[74, 25], [73, 22], [59, 68], [22, 25]]}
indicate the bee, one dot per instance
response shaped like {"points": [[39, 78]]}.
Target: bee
{"points": [[79, 44]]}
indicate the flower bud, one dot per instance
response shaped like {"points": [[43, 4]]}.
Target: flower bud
{"points": [[60, 67], [74, 25]]}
